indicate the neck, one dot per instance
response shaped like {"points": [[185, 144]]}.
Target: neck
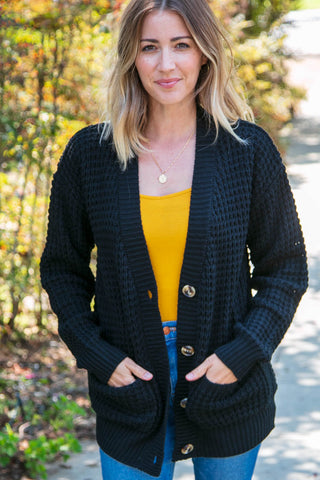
{"points": [[168, 123]]}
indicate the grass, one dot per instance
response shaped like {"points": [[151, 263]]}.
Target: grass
{"points": [[308, 4]]}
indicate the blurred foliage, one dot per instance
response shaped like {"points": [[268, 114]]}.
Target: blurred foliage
{"points": [[263, 15], [52, 55], [256, 33], [43, 450], [8, 445], [34, 454], [38, 424]]}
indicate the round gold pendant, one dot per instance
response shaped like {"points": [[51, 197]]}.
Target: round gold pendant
{"points": [[163, 178]]}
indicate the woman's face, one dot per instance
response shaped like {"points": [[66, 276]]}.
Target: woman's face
{"points": [[168, 61]]}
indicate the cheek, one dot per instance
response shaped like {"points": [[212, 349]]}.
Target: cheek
{"points": [[192, 63], [143, 66], [194, 68]]}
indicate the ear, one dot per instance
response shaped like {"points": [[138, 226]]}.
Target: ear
{"points": [[204, 60]]}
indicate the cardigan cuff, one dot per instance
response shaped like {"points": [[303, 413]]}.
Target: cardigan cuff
{"points": [[102, 363], [90, 350], [240, 355]]}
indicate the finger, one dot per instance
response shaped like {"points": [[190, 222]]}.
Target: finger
{"points": [[219, 373], [122, 375], [139, 371], [198, 372], [121, 380]]}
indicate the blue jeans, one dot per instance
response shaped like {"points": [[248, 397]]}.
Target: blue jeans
{"points": [[239, 467]]}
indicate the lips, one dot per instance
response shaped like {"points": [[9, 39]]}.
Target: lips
{"points": [[167, 82]]}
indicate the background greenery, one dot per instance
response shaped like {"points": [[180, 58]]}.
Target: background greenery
{"points": [[52, 58]]}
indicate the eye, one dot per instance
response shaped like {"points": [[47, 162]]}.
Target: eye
{"points": [[182, 45], [148, 48]]}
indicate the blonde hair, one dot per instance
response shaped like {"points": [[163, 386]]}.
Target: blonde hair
{"points": [[215, 91]]}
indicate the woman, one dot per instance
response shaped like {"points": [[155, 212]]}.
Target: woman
{"points": [[182, 197]]}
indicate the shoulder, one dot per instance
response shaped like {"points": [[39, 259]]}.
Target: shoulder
{"points": [[257, 158], [256, 136], [253, 134], [85, 153], [253, 146], [89, 137], [87, 146], [266, 156], [268, 169]]}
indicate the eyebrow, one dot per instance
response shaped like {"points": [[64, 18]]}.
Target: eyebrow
{"points": [[175, 39]]}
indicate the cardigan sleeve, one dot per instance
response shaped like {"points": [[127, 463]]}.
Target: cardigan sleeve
{"points": [[279, 269], [65, 271]]}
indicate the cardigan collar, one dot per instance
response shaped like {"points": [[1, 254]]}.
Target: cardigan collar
{"points": [[203, 186]]}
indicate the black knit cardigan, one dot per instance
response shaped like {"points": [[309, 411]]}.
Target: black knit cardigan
{"points": [[243, 236]]}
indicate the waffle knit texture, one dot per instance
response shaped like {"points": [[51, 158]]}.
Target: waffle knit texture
{"points": [[243, 234]]}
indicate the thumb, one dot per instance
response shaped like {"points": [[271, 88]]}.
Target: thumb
{"points": [[139, 371], [197, 372]]}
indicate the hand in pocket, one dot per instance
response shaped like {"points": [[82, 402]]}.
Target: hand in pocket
{"points": [[126, 373], [214, 369]]}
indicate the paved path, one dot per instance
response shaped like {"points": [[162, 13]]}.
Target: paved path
{"points": [[292, 451]]}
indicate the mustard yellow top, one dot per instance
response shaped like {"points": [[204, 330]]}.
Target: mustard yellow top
{"points": [[165, 225]]}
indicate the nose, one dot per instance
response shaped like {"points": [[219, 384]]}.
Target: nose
{"points": [[166, 61]]}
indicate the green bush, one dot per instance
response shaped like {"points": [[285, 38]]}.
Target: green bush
{"points": [[61, 413], [43, 450], [9, 445], [55, 420], [38, 452]]}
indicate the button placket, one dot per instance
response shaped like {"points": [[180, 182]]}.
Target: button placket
{"points": [[188, 291]]}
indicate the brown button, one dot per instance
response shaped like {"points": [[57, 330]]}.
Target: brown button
{"points": [[189, 291], [187, 449], [183, 402], [187, 350]]}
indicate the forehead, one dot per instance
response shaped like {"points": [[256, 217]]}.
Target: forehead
{"points": [[164, 21]]}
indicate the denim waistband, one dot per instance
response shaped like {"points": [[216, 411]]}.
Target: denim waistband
{"points": [[170, 331]]}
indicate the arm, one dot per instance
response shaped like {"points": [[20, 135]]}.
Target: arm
{"points": [[65, 271], [279, 275]]}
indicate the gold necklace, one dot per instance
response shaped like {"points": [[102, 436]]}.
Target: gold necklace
{"points": [[163, 177]]}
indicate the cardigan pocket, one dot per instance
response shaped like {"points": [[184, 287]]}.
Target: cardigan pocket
{"points": [[137, 406], [212, 405]]}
